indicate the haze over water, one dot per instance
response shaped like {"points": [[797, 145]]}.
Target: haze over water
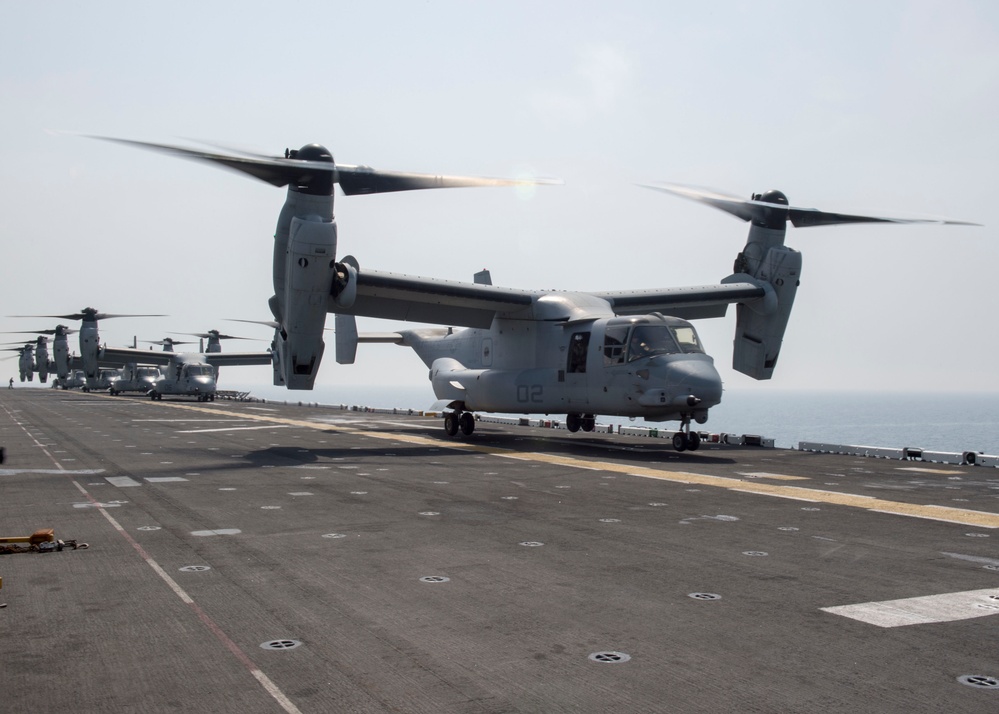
{"points": [[934, 421]]}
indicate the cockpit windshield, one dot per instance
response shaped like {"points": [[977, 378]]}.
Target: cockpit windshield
{"points": [[197, 370], [629, 339], [649, 340]]}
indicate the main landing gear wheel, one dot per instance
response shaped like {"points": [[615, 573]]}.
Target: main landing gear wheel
{"points": [[685, 439], [455, 420], [573, 422]]}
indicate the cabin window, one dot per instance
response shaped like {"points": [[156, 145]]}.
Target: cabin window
{"points": [[615, 339], [577, 352]]}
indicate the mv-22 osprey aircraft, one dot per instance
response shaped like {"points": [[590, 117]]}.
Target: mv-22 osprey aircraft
{"points": [[630, 353], [193, 374], [188, 373], [185, 373]]}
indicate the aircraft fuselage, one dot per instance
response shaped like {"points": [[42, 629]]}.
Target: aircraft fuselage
{"points": [[644, 366]]}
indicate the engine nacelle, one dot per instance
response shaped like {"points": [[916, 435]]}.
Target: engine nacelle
{"points": [[60, 356], [42, 365], [308, 276], [344, 287], [760, 326]]}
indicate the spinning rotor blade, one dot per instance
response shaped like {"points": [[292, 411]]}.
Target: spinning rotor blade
{"points": [[313, 165], [167, 341], [88, 312], [276, 171], [267, 323], [208, 335], [52, 331], [364, 179], [771, 209]]}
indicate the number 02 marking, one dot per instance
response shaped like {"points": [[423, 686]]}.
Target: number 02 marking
{"points": [[530, 393]]}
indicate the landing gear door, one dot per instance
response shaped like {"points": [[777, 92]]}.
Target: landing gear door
{"points": [[576, 393]]}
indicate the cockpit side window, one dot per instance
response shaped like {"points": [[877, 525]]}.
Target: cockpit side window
{"points": [[686, 336], [615, 339]]}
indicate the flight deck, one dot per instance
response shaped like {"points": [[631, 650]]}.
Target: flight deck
{"points": [[254, 557]]}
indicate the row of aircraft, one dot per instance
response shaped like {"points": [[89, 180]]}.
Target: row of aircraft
{"points": [[627, 353], [118, 370]]}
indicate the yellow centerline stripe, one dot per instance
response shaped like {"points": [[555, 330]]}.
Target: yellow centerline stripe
{"points": [[965, 516]]}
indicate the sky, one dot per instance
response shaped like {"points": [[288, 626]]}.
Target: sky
{"points": [[851, 106]]}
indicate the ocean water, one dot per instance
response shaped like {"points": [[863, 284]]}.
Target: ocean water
{"points": [[936, 421]]}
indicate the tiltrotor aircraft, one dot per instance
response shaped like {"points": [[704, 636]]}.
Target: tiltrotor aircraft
{"points": [[60, 362], [135, 378], [185, 373], [307, 276], [627, 353], [90, 359], [25, 361]]}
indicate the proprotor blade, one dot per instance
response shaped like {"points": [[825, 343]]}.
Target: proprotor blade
{"points": [[87, 313], [267, 323], [274, 170], [50, 331], [312, 168], [167, 341], [213, 333], [771, 209], [364, 179]]}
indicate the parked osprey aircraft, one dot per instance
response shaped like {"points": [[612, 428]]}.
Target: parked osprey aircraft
{"points": [[185, 373], [90, 358], [214, 338], [60, 352], [135, 378], [627, 353], [25, 361], [35, 358]]}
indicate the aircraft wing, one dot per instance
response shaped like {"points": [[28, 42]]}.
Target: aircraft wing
{"points": [[118, 356], [442, 302], [690, 303], [413, 298], [235, 359]]}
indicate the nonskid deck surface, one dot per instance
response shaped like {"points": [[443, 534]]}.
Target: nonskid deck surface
{"points": [[259, 558]]}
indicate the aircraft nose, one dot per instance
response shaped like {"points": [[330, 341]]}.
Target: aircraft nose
{"points": [[697, 379]]}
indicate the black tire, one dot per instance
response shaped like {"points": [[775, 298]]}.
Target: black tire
{"points": [[573, 422], [589, 423], [680, 441], [693, 441], [450, 423], [467, 423]]}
